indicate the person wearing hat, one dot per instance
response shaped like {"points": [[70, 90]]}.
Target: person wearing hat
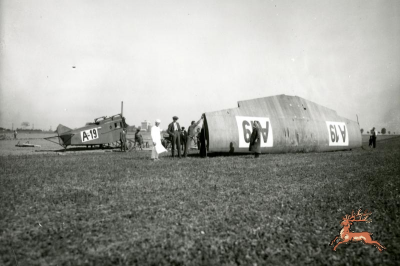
{"points": [[156, 137], [174, 130], [191, 134]]}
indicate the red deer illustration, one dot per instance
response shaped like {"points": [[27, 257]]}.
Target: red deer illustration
{"points": [[347, 236]]}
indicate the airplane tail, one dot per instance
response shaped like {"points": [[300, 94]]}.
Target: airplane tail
{"points": [[62, 129]]}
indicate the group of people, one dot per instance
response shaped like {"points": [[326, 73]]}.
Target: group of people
{"points": [[138, 139], [182, 139], [179, 137]]}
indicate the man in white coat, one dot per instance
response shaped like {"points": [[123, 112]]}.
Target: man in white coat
{"points": [[156, 137]]}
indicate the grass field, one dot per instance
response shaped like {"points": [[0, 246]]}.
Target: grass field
{"points": [[122, 208], [7, 145]]}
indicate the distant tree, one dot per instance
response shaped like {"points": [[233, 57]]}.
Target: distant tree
{"points": [[367, 132], [389, 132], [362, 130], [379, 132], [25, 124], [383, 130]]}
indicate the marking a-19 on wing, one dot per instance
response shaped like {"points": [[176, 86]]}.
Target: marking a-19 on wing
{"points": [[337, 133]]}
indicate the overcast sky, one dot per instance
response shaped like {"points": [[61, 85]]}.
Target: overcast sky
{"points": [[166, 58]]}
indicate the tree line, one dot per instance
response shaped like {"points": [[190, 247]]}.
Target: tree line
{"points": [[383, 131]]}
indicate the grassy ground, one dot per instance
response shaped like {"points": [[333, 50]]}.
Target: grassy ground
{"points": [[7, 144], [122, 208]]}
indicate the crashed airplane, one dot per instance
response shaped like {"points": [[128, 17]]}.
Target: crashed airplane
{"points": [[289, 124], [103, 131]]}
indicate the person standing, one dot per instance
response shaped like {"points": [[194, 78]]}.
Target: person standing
{"points": [[15, 134], [198, 138], [191, 135], [255, 140], [373, 135], [183, 140], [174, 130], [123, 140], [139, 138], [203, 146], [156, 137]]}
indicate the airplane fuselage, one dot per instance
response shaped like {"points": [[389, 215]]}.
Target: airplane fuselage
{"points": [[100, 132]]}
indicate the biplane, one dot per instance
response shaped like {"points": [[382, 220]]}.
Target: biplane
{"points": [[104, 131], [288, 124]]}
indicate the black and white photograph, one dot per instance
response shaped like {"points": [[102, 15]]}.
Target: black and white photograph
{"points": [[215, 132]]}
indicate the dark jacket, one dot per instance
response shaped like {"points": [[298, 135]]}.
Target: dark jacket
{"points": [[122, 136], [184, 135], [138, 137], [170, 129], [255, 141]]}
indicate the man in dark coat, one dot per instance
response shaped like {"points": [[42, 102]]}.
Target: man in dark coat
{"points": [[183, 140], [174, 130], [203, 147], [255, 140], [198, 138], [373, 135]]}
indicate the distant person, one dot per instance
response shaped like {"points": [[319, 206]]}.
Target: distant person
{"points": [[156, 137], [203, 146], [139, 138], [183, 140], [123, 140], [370, 141], [198, 138], [255, 140], [15, 134], [174, 130], [373, 135], [191, 135]]}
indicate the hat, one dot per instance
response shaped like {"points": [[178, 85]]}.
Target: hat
{"points": [[158, 121], [182, 127], [175, 117]]}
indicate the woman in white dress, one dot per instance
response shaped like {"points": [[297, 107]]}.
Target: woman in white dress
{"points": [[156, 137]]}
